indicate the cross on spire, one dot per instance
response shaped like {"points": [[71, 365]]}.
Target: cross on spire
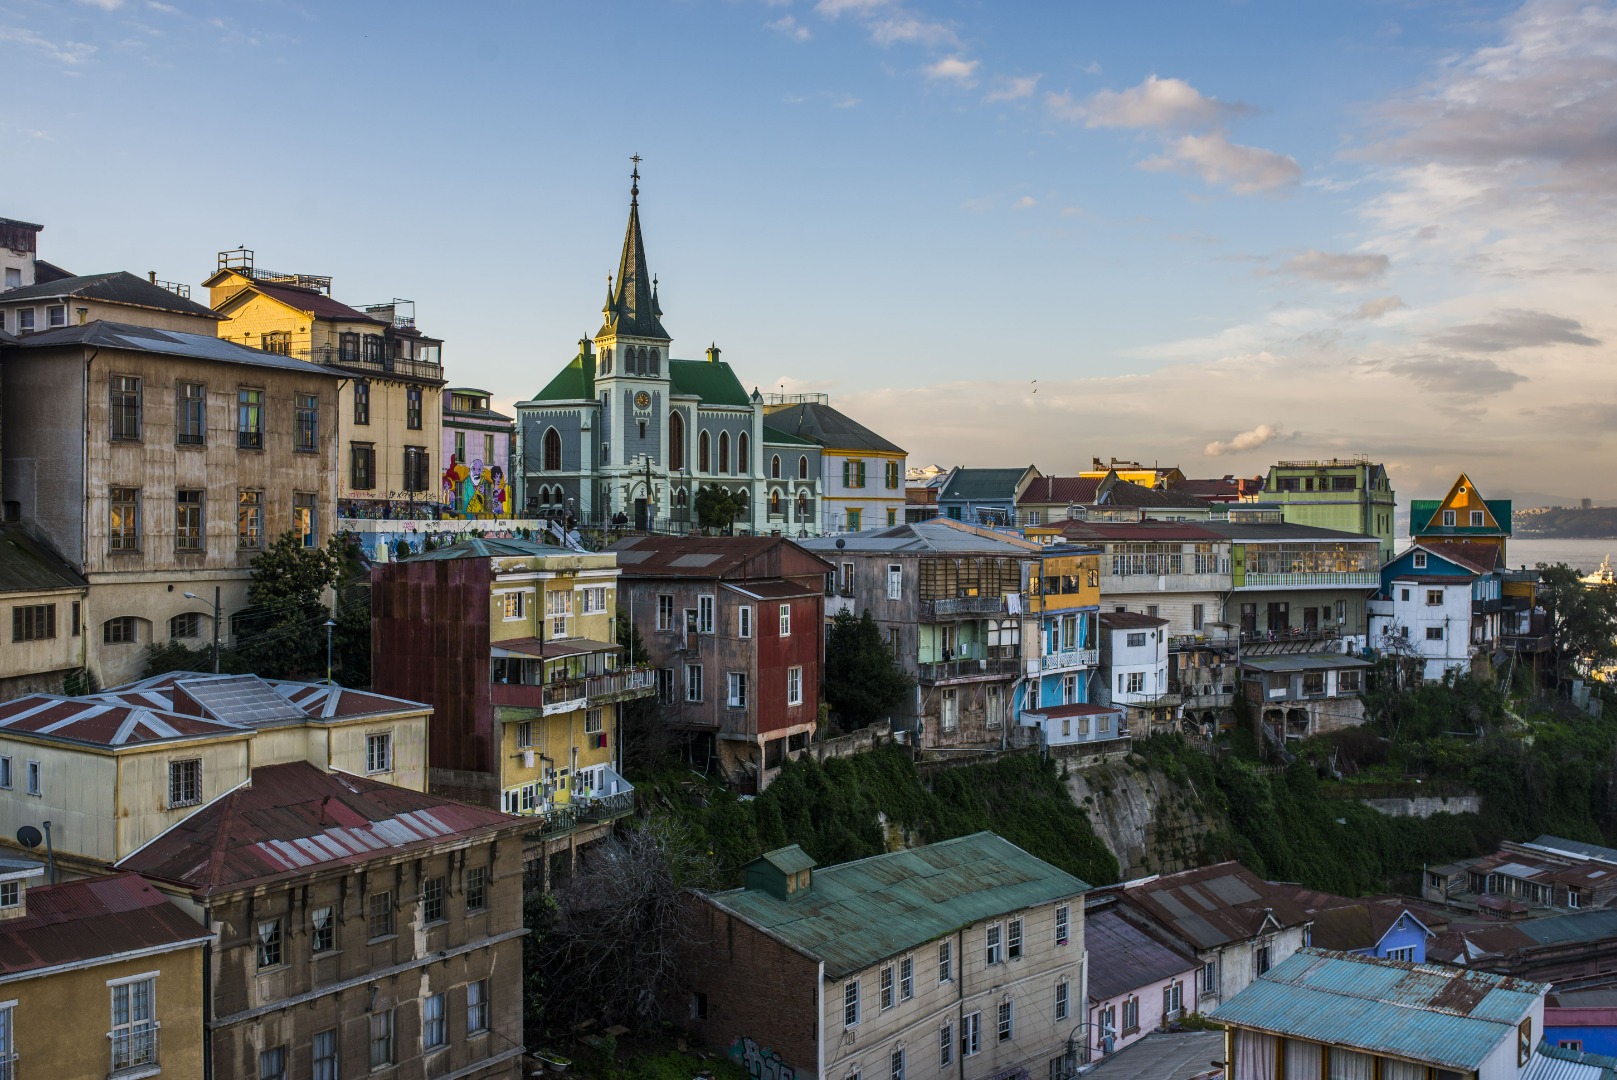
{"points": [[634, 186]]}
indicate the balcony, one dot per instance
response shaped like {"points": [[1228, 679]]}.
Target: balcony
{"points": [[964, 607], [549, 698], [620, 686], [1072, 658], [333, 356], [1351, 579], [966, 670], [134, 1051]]}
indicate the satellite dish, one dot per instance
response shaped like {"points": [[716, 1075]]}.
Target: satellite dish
{"points": [[28, 836], [841, 543]]}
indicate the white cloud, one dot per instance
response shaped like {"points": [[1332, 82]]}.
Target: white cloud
{"points": [[68, 52], [1013, 89], [788, 26], [833, 8], [1025, 202], [1245, 170], [1155, 103], [104, 5], [955, 69], [1335, 267], [158, 5], [1246, 440], [846, 101], [905, 28]]}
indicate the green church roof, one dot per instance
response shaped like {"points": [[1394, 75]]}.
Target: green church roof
{"points": [[575, 382], [712, 381], [774, 435]]}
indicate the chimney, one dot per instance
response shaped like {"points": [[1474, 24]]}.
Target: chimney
{"points": [[713, 354], [151, 276]]}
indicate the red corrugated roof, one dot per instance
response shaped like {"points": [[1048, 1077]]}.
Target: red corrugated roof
{"points": [[1059, 489], [1478, 558], [102, 721], [293, 819], [1129, 620], [87, 920]]}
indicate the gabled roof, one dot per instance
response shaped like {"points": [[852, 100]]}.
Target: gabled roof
{"points": [[96, 919], [575, 382], [1477, 558], [118, 287], [1346, 924], [101, 334], [730, 558], [309, 301], [974, 485], [1421, 1012], [829, 428], [858, 913], [28, 564], [710, 380], [1213, 905], [1123, 957], [294, 819], [1060, 490], [774, 436]]}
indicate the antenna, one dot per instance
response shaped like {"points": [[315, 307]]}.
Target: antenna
{"points": [[29, 837]]}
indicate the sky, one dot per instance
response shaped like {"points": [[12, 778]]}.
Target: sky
{"points": [[1212, 234]]}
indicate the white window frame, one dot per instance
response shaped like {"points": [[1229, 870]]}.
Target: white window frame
{"points": [[558, 611], [665, 613], [946, 1045], [736, 690], [1063, 921], [373, 741], [786, 620], [1063, 1001], [949, 710], [511, 605], [850, 1003], [744, 621], [794, 686], [889, 988], [993, 945], [132, 1027], [1419, 561], [434, 1022], [591, 599], [945, 962], [1405, 953], [594, 720], [971, 1034], [1013, 939], [693, 683], [906, 978], [1007, 1021], [704, 614], [36, 778], [895, 581]]}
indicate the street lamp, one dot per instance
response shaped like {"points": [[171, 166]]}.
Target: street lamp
{"points": [[330, 625], [215, 606]]}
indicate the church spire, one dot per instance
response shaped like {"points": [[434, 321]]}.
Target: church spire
{"points": [[633, 309]]}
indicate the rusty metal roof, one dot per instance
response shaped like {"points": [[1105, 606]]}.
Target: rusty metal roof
{"points": [[1214, 905], [87, 920], [1123, 957], [858, 913], [294, 819], [1437, 1015]]}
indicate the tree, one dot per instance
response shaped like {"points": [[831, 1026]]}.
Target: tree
{"points": [[1583, 620], [620, 937], [283, 630], [863, 679], [645, 736], [716, 508]]}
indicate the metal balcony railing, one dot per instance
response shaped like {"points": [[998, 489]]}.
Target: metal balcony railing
{"points": [[963, 606], [1072, 658], [1350, 579], [969, 669], [637, 682], [336, 356], [133, 1049]]}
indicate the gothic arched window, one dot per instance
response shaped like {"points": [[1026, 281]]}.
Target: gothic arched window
{"points": [[724, 451], [653, 370], [802, 506], [802, 467], [703, 464], [774, 467], [774, 503], [743, 466], [552, 450], [676, 442], [606, 361]]}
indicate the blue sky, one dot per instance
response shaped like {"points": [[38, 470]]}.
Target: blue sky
{"points": [[1213, 233]]}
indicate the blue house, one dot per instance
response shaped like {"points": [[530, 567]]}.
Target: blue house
{"points": [[1582, 1020], [983, 496], [1063, 598], [1385, 931]]}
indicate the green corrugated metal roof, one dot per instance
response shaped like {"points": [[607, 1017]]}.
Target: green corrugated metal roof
{"points": [[788, 860], [786, 438], [861, 912], [714, 383], [575, 382]]}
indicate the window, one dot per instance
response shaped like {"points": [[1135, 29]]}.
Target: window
{"points": [[1007, 1025], [802, 467], [906, 978], [35, 784], [5, 773], [434, 1024], [744, 621], [786, 620], [250, 519], [416, 463], [1210, 977], [1173, 999], [945, 961], [278, 342], [971, 1041], [412, 408], [1419, 560], [592, 601], [945, 1046], [123, 519], [1406, 954], [892, 516], [190, 414], [1136, 682], [477, 888], [1061, 1000], [36, 622], [1434, 633], [853, 474], [1197, 617], [134, 1027], [511, 604], [693, 682], [272, 1064], [432, 900], [993, 953], [1131, 1014], [558, 609], [185, 625], [1434, 597], [122, 630], [379, 914], [363, 466], [889, 994], [322, 930], [524, 734], [381, 1039], [737, 697], [665, 613], [362, 397], [10, 897], [594, 721], [1261, 955], [269, 944], [185, 783], [702, 462], [305, 518], [895, 1062], [724, 451], [379, 752], [124, 391], [250, 419], [949, 711], [1524, 1041], [665, 686], [1013, 940], [794, 686], [324, 1054], [56, 315], [850, 1003], [1136, 641], [75, 619], [188, 520], [704, 614], [1448, 517], [460, 447], [477, 1007]]}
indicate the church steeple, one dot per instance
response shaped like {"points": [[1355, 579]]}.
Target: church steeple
{"points": [[632, 309]]}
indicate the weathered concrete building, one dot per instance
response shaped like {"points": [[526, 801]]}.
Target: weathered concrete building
{"points": [[162, 463], [42, 598]]}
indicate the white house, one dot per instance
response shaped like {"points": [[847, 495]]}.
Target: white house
{"points": [[1438, 602], [1134, 669]]}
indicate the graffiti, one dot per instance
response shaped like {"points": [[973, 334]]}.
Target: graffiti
{"points": [[475, 490], [760, 1061]]}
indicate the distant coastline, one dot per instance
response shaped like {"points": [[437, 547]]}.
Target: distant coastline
{"points": [[1567, 523]]}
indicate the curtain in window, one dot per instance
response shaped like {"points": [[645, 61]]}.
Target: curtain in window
{"points": [[1302, 1060], [266, 931], [1351, 1065], [1255, 1056], [322, 918], [1401, 1070]]}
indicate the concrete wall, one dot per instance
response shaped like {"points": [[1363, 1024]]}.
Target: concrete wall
{"points": [[1425, 807]]}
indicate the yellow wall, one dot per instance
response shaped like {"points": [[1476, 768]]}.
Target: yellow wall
{"points": [[409, 749], [78, 791], [61, 1021], [1086, 568], [555, 737], [143, 810]]}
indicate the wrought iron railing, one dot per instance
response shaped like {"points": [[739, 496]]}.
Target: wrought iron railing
{"points": [[969, 669], [964, 605], [1070, 659], [133, 1047]]}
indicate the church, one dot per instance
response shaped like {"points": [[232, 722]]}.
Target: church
{"points": [[626, 433]]}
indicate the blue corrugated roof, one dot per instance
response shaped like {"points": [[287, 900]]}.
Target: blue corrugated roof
{"points": [[860, 912], [1436, 1015]]}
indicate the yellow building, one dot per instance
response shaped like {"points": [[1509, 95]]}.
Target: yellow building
{"points": [[98, 978], [1162, 477], [111, 771], [1063, 600], [515, 645], [389, 419], [1463, 516]]}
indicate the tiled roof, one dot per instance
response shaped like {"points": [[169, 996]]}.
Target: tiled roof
{"points": [[1213, 905], [118, 287], [1123, 957], [829, 428], [294, 819], [28, 564], [1068, 490], [101, 334], [1437, 1015], [860, 912], [81, 922]]}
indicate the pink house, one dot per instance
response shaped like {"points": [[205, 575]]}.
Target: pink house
{"points": [[1137, 983]]}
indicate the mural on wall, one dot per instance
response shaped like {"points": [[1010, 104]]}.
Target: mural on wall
{"points": [[760, 1061], [475, 490]]}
